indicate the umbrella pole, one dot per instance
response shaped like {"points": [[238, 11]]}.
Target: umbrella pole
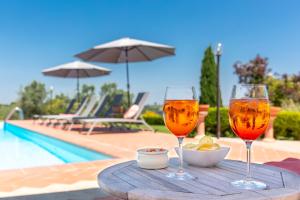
{"points": [[78, 96], [127, 74]]}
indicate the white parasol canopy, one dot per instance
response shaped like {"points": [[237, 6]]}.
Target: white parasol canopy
{"points": [[76, 69], [126, 50]]}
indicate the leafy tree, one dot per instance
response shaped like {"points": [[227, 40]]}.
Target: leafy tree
{"points": [[276, 94], [284, 89], [5, 109], [32, 98], [253, 72], [87, 90], [295, 79], [111, 89], [208, 79], [56, 105]]}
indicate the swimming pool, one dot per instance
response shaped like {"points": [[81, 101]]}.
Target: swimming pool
{"points": [[21, 148]]}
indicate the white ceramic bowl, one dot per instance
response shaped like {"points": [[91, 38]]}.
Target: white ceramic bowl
{"points": [[204, 158], [155, 159]]}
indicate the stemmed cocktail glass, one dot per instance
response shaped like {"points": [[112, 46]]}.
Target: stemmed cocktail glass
{"points": [[181, 117], [249, 115]]}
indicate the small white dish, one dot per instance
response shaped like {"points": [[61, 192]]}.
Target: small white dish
{"points": [[203, 158], [152, 158]]}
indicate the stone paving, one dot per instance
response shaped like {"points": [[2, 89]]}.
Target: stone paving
{"points": [[122, 146]]}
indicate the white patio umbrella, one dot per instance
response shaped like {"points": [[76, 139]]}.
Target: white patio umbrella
{"points": [[126, 50], [76, 69]]}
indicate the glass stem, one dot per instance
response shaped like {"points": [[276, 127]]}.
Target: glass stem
{"points": [[248, 146], [180, 140]]}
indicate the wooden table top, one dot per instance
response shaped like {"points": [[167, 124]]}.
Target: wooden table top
{"points": [[128, 181]]}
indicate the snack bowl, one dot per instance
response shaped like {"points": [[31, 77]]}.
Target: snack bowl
{"points": [[152, 158], [208, 158]]}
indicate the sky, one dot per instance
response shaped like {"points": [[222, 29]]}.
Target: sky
{"points": [[38, 34]]}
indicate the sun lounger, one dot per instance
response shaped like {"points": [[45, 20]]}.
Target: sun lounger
{"points": [[100, 109], [81, 106], [69, 108], [67, 111], [85, 112], [116, 103], [79, 111], [131, 116], [96, 112]]}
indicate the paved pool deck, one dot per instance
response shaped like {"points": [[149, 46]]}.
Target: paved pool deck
{"points": [[122, 147]]}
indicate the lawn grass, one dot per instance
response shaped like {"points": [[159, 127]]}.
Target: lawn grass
{"points": [[157, 128], [160, 128], [163, 129]]}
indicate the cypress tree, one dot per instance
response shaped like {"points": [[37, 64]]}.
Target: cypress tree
{"points": [[208, 79]]}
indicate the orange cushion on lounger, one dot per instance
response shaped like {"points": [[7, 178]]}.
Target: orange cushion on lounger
{"points": [[131, 112]]}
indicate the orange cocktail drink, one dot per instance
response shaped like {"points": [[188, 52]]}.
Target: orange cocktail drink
{"points": [[181, 116], [249, 118]]}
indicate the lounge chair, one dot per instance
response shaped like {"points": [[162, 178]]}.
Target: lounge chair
{"points": [[85, 112], [67, 112], [70, 106], [82, 105], [99, 110], [80, 109], [130, 117], [96, 112], [116, 103]]}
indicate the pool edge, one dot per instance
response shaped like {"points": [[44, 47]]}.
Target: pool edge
{"points": [[62, 140]]}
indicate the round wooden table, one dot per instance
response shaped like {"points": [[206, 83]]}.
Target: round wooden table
{"points": [[128, 181]]}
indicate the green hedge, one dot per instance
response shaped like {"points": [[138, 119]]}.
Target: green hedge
{"points": [[153, 118], [211, 123], [287, 125]]}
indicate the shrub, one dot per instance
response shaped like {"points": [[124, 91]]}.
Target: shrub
{"points": [[282, 129], [153, 118], [193, 133], [211, 123], [287, 125], [290, 105], [56, 105], [32, 98], [5, 109]]}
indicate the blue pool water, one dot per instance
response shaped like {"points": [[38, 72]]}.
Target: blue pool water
{"points": [[21, 148]]}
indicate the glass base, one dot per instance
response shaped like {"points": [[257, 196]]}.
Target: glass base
{"points": [[180, 176], [249, 184]]}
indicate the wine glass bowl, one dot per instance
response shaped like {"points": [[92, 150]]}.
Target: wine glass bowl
{"points": [[181, 117], [249, 118], [249, 115]]}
